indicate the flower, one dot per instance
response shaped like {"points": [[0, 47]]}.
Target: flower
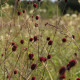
{"points": [[35, 38], [33, 66], [8, 76], [72, 62], [37, 17], [62, 70], [22, 41], [78, 79], [66, 1], [73, 36], [36, 25], [12, 43], [2, 55], [42, 59], [39, 0], [28, 2], [48, 38], [31, 39], [33, 78], [19, 13], [64, 40], [49, 56], [14, 47], [31, 56], [15, 71], [23, 11], [50, 42], [35, 5]]}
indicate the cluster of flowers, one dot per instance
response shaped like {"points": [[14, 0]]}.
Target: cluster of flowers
{"points": [[63, 69]]}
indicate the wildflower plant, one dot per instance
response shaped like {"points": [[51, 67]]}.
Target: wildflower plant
{"points": [[34, 49]]}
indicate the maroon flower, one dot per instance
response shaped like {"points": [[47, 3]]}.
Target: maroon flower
{"points": [[19, 13], [49, 56], [73, 36], [35, 38], [14, 47], [75, 54], [31, 39], [28, 2], [2, 55], [64, 40], [72, 62], [31, 56], [39, 0], [15, 71], [61, 77], [8, 76], [23, 11], [33, 78], [37, 17], [50, 42], [12, 43], [33, 66], [78, 79], [22, 41], [48, 38], [42, 59], [36, 25], [62, 70], [66, 1], [35, 5]]}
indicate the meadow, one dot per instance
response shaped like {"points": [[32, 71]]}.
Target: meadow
{"points": [[32, 48]]}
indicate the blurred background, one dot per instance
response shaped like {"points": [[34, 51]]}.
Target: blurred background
{"points": [[50, 7]]}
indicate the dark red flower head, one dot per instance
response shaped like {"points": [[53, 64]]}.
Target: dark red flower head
{"points": [[28, 2], [33, 78], [22, 41], [19, 13], [42, 59], [14, 47], [64, 40], [61, 77], [62, 70], [23, 11], [78, 79], [36, 25], [66, 1], [50, 42], [49, 56], [35, 5], [73, 36], [39, 0], [72, 62], [31, 39], [37, 17], [48, 38], [31, 56], [2, 55], [8, 76], [12, 43], [15, 71], [33, 66], [35, 38]]}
